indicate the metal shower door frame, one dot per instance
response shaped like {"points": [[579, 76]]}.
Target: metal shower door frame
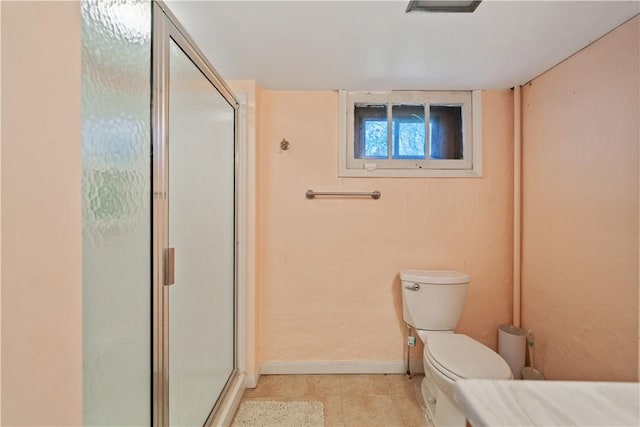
{"points": [[166, 28]]}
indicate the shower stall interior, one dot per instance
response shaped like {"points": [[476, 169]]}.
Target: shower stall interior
{"points": [[159, 221]]}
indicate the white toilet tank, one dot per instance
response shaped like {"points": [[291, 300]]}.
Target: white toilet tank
{"points": [[433, 299]]}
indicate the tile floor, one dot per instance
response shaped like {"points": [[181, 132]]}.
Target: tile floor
{"points": [[350, 400]]}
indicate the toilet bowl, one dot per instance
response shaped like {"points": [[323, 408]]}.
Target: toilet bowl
{"points": [[432, 304], [447, 358], [452, 357], [457, 356]]}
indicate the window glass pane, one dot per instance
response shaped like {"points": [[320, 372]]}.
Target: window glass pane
{"points": [[370, 133], [446, 132], [408, 131]]}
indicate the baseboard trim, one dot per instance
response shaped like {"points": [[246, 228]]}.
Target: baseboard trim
{"points": [[251, 380], [340, 367]]}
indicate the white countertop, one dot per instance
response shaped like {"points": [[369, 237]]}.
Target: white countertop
{"points": [[549, 403]]}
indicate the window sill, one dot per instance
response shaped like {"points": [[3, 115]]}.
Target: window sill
{"points": [[410, 173]]}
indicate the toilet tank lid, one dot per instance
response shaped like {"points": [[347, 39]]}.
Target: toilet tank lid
{"points": [[435, 277]]}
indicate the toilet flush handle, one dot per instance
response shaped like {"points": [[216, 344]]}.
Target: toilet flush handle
{"points": [[414, 287]]}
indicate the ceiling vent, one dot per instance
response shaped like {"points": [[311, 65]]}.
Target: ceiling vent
{"points": [[442, 6]]}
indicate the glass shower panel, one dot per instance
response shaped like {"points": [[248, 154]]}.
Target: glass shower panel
{"points": [[201, 229], [116, 186]]}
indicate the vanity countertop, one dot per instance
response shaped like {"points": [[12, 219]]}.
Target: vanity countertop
{"points": [[549, 403]]}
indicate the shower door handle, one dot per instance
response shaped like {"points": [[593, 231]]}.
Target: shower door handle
{"points": [[170, 266]]}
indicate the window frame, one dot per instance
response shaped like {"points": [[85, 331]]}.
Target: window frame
{"points": [[469, 166]]}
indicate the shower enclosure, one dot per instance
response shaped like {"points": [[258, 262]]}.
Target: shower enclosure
{"points": [[159, 227]]}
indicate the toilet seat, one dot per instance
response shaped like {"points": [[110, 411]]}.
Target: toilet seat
{"points": [[459, 356]]}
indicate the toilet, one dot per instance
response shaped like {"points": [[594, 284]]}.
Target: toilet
{"points": [[432, 302]]}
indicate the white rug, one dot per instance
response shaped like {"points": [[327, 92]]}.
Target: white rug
{"points": [[269, 413]]}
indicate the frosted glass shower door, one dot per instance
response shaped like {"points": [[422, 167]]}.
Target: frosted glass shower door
{"points": [[201, 158], [116, 234]]}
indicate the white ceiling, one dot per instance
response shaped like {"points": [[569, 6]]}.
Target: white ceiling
{"points": [[375, 45]]}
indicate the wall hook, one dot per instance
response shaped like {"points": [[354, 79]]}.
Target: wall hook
{"points": [[284, 144]]}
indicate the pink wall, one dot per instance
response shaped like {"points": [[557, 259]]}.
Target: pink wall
{"points": [[580, 211], [41, 214], [328, 268]]}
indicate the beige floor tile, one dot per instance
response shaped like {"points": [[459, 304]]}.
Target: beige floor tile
{"points": [[411, 412], [333, 413], [322, 385], [277, 386], [364, 385], [400, 385], [370, 411], [350, 400]]}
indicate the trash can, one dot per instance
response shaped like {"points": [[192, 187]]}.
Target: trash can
{"points": [[512, 345]]}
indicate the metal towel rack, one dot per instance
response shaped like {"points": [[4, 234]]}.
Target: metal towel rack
{"points": [[310, 194]]}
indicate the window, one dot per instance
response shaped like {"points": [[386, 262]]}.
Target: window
{"points": [[409, 134]]}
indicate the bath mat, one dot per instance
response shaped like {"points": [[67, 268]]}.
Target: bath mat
{"points": [[269, 413]]}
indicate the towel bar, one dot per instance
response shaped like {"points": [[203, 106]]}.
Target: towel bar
{"points": [[310, 194]]}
